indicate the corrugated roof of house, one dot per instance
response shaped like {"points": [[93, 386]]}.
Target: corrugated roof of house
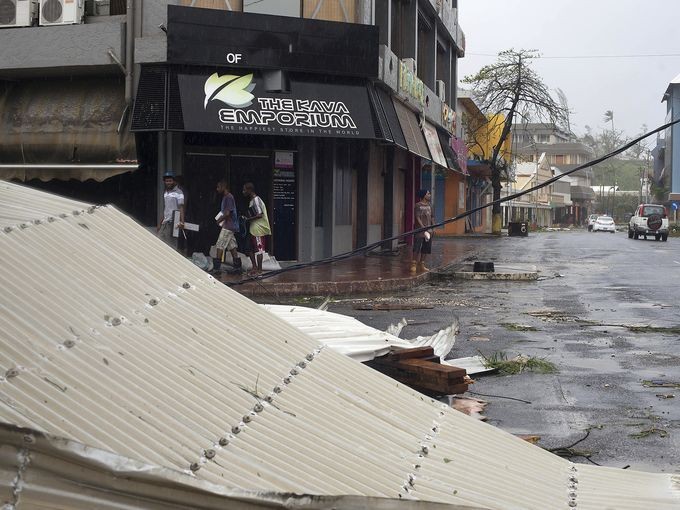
{"points": [[111, 339]]}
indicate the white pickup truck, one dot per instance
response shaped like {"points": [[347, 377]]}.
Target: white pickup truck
{"points": [[649, 220]]}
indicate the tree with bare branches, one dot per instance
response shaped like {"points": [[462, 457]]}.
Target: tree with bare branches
{"points": [[511, 90]]}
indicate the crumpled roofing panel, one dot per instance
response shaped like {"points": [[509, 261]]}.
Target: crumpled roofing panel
{"points": [[111, 339]]}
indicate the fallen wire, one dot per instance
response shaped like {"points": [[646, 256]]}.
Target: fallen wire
{"points": [[372, 246], [569, 452], [497, 396]]}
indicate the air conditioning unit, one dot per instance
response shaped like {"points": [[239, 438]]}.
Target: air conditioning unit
{"points": [[440, 90], [410, 64], [17, 13], [61, 12]]}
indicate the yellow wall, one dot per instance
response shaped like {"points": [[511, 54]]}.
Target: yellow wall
{"points": [[487, 136]]}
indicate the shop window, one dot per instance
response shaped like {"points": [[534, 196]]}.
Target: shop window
{"points": [[275, 7], [443, 61], [425, 51], [331, 10], [223, 5], [397, 44]]}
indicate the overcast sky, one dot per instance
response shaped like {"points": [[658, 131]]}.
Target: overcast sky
{"points": [[631, 87]]}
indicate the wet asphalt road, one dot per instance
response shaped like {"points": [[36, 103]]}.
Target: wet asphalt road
{"points": [[607, 281]]}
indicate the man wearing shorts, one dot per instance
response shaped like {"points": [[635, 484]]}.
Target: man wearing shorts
{"points": [[258, 227], [227, 218], [422, 241]]}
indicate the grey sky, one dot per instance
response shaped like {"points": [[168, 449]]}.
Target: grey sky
{"points": [[631, 87]]}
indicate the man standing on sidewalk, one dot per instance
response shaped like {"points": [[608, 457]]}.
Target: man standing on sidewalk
{"points": [[422, 242], [258, 227], [227, 218], [173, 200]]}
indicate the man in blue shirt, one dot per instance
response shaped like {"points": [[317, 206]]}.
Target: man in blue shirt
{"points": [[227, 218]]}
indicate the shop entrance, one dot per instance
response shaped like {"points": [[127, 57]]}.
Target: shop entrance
{"points": [[202, 173]]}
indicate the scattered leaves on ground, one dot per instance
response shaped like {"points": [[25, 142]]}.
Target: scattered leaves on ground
{"points": [[510, 326]]}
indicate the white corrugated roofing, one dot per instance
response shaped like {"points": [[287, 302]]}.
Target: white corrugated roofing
{"points": [[352, 337], [111, 339]]}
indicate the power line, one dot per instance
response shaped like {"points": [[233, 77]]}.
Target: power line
{"points": [[377, 244], [647, 55]]}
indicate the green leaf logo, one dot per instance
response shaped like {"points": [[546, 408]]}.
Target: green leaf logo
{"points": [[229, 89]]}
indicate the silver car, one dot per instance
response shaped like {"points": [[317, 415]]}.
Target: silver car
{"points": [[604, 224]]}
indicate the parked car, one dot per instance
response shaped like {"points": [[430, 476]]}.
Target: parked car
{"points": [[604, 224], [591, 221], [649, 220]]}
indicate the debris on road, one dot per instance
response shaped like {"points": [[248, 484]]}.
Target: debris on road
{"points": [[392, 306], [517, 327], [472, 365], [519, 364], [649, 432], [471, 406], [660, 383], [421, 370]]}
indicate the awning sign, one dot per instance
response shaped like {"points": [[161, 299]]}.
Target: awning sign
{"points": [[238, 103]]}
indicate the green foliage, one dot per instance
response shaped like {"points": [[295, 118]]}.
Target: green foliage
{"points": [[518, 364]]}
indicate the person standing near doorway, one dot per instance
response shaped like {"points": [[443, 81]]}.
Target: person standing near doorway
{"points": [[227, 219], [258, 227], [422, 242], [173, 200]]}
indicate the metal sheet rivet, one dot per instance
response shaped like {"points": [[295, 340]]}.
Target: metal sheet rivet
{"points": [[8, 229], [309, 357], [223, 441], [116, 321], [38, 222], [209, 454], [153, 302], [425, 450], [69, 343], [186, 285], [286, 380], [258, 408], [51, 219], [236, 429], [29, 439], [12, 372], [269, 398], [277, 389], [573, 504], [247, 418], [195, 467], [294, 371]]}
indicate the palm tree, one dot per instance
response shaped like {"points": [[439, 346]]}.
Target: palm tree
{"points": [[609, 117]]}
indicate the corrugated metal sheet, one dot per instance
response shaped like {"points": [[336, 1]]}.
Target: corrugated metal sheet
{"points": [[353, 338], [111, 339]]}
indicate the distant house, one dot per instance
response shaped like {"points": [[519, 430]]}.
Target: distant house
{"points": [[565, 153], [534, 207]]}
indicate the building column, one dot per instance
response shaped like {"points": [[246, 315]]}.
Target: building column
{"points": [[306, 192]]}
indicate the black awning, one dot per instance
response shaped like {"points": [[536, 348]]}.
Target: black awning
{"points": [[392, 120], [239, 103], [451, 158], [410, 126]]}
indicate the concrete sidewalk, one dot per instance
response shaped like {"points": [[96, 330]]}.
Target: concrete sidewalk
{"points": [[362, 274]]}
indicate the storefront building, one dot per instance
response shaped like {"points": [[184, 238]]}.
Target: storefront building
{"points": [[336, 111]]}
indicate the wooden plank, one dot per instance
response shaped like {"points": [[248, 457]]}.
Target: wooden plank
{"points": [[421, 366], [416, 352]]}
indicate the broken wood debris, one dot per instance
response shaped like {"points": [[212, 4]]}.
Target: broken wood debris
{"points": [[421, 370]]}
